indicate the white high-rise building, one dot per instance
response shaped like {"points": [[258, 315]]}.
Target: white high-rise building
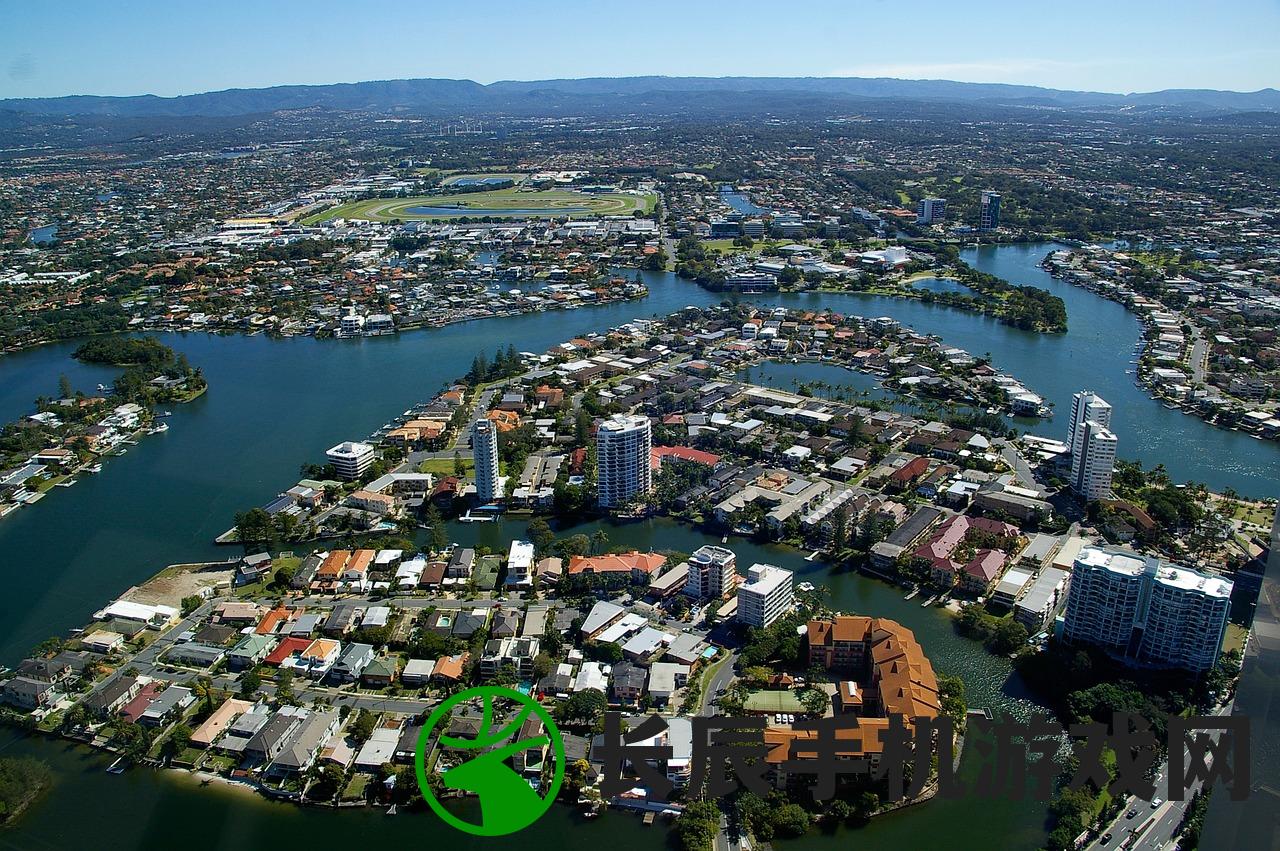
{"points": [[350, 459], [1092, 468], [623, 445], [711, 572], [1093, 445], [1146, 611], [931, 211], [1086, 405], [484, 449], [765, 596]]}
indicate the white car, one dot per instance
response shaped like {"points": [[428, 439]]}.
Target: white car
{"points": [[1156, 802]]}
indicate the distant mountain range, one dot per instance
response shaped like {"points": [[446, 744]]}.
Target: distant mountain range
{"points": [[429, 96]]}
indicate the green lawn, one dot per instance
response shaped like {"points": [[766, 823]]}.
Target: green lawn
{"points": [[548, 204], [355, 789], [445, 466]]}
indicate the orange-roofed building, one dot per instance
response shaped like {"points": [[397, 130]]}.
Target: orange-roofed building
{"points": [[659, 455], [332, 566], [450, 668], [358, 566], [273, 620], [884, 657], [551, 397], [287, 649], [504, 420], [861, 740], [640, 566]]}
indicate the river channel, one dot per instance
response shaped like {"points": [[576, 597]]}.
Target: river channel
{"points": [[276, 404]]}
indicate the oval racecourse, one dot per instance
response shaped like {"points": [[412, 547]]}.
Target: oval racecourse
{"points": [[499, 203]]}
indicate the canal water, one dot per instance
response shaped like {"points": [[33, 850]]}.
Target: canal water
{"points": [[276, 404]]}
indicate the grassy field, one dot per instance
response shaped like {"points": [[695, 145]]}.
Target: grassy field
{"points": [[553, 203], [445, 466]]}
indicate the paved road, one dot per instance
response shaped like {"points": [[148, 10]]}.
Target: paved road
{"points": [[1021, 469], [1199, 357], [1158, 833], [720, 679]]}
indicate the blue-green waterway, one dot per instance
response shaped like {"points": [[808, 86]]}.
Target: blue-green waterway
{"points": [[275, 404]]}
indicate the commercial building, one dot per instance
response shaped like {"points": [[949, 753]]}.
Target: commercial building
{"points": [[989, 211], [711, 573], [931, 211], [350, 459], [484, 448], [766, 595], [623, 444], [1146, 611]]}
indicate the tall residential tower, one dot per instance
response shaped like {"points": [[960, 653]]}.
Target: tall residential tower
{"points": [[711, 572], [623, 445], [484, 448], [989, 211], [1146, 611], [1093, 445]]}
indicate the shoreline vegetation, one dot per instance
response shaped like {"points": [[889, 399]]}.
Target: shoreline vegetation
{"points": [[22, 781]]}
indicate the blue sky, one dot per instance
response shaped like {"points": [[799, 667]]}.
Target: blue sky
{"points": [[182, 46]]}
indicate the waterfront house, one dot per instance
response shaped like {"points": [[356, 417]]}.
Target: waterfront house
{"points": [[253, 568], [111, 696], [101, 641], [133, 710], [45, 670], [167, 706], [27, 693], [379, 749], [218, 722], [635, 566], [243, 728], [272, 737], [303, 744]]}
